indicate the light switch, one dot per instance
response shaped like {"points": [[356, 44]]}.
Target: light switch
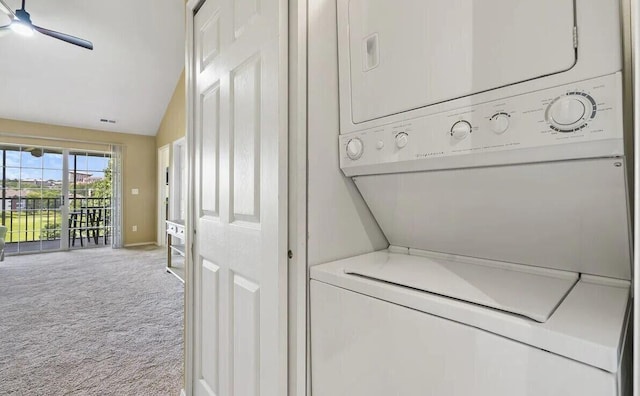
{"points": [[135, 191]]}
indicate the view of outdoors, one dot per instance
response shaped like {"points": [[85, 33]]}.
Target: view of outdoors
{"points": [[32, 195]]}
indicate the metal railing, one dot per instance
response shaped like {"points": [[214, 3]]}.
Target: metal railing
{"points": [[40, 219]]}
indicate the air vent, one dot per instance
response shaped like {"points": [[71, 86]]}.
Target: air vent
{"points": [[107, 121]]}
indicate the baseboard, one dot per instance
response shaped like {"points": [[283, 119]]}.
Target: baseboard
{"points": [[139, 244]]}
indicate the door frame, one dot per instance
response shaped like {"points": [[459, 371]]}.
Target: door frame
{"points": [[163, 152], [189, 291], [634, 59], [298, 278], [176, 182]]}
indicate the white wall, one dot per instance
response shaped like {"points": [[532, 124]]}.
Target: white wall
{"points": [[339, 222]]}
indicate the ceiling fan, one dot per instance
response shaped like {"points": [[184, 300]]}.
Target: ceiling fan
{"points": [[21, 23], [34, 151]]}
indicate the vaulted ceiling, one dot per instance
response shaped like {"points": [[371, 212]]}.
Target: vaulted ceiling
{"points": [[129, 77]]}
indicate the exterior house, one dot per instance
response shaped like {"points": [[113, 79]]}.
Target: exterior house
{"points": [[80, 177]]}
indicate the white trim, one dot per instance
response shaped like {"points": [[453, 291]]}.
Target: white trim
{"points": [[189, 297], [283, 191], [176, 184], [161, 230], [140, 244], [55, 139], [298, 266], [635, 48]]}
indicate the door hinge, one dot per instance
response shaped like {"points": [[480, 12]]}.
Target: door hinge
{"points": [[575, 37], [290, 254]]}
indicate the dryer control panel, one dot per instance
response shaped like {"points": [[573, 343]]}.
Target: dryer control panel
{"points": [[580, 120]]}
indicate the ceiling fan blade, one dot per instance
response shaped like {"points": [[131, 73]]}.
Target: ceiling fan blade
{"points": [[7, 10], [65, 37]]}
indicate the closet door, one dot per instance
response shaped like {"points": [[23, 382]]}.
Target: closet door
{"points": [[240, 216]]}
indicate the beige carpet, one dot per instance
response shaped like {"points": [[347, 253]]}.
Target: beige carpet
{"points": [[90, 322]]}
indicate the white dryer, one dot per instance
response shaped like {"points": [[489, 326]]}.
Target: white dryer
{"points": [[499, 179]]}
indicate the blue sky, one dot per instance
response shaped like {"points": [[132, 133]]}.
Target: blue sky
{"points": [[49, 166]]}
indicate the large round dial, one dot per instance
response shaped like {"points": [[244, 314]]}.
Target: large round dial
{"points": [[571, 112], [460, 130], [402, 139], [499, 123], [355, 148]]}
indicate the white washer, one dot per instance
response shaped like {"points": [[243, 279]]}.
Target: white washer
{"points": [[529, 295], [500, 183], [370, 337]]}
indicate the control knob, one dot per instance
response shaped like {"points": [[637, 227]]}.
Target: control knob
{"points": [[460, 130], [355, 147], [499, 123], [402, 139], [571, 112]]}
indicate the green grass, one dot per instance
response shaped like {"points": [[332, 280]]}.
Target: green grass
{"points": [[28, 226]]}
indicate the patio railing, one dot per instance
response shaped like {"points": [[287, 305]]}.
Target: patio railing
{"points": [[40, 219]]}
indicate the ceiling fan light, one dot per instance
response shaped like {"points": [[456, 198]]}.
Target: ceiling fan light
{"points": [[21, 28]]}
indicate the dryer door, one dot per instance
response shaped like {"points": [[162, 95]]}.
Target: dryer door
{"points": [[408, 54]]}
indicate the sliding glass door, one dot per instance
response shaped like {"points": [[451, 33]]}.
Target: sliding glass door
{"points": [[55, 199], [90, 191], [32, 191]]}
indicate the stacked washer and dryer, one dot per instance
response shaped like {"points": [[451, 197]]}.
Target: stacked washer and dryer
{"points": [[486, 138]]}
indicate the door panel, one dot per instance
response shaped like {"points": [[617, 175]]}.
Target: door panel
{"points": [[418, 53], [244, 12], [209, 40], [246, 334], [245, 91], [210, 323], [240, 173], [210, 105]]}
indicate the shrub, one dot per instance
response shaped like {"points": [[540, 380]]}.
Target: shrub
{"points": [[51, 231]]}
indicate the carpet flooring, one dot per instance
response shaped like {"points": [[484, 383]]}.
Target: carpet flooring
{"points": [[90, 322]]}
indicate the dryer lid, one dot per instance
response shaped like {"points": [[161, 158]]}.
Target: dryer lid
{"points": [[412, 54], [531, 292]]}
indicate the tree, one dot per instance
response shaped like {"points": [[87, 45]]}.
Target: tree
{"points": [[47, 193], [44, 199], [102, 187]]}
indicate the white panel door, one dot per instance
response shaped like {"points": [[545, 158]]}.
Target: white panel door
{"points": [[240, 173]]}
